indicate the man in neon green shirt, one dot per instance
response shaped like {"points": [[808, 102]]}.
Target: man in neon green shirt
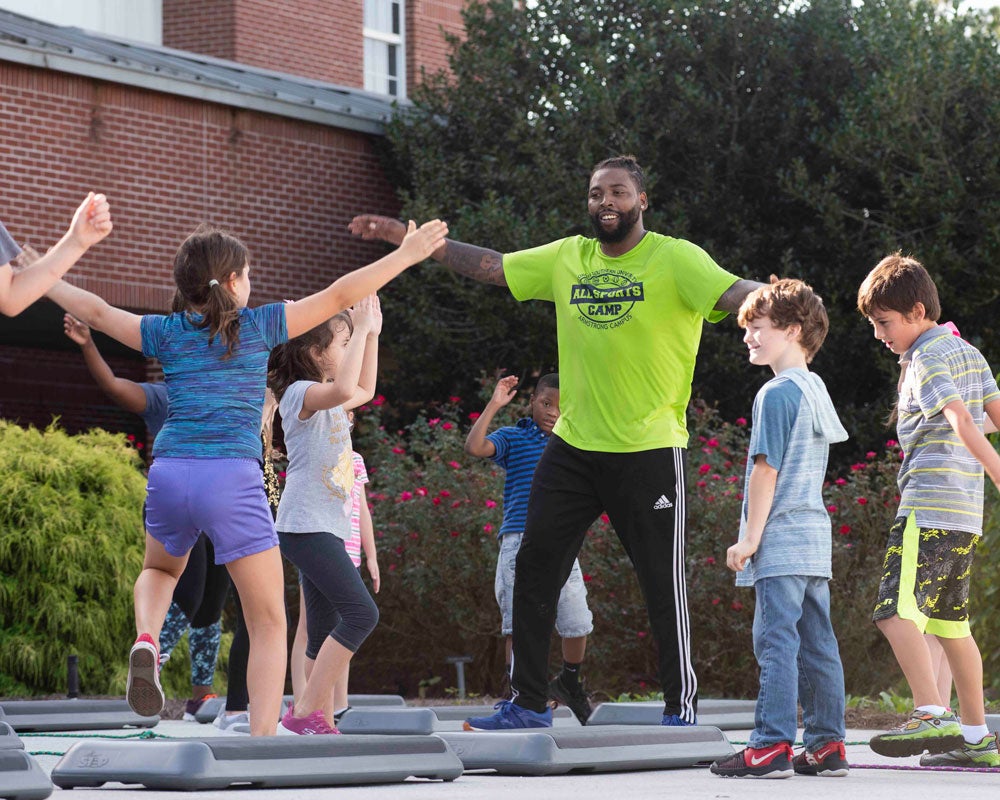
{"points": [[629, 310]]}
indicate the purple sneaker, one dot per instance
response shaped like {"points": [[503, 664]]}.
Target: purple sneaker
{"points": [[509, 716], [312, 724]]}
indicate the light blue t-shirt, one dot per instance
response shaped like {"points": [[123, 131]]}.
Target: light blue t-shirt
{"points": [[794, 423], [8, 247], [215, 403]]}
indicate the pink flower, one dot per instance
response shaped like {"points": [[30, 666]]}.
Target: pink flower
{"points": [[436, 501], [444, 493], [406, 495], [704, 468], [733, 479], [587, 577], [741, 421], [488, 528], [434, 421], [392, 568], [378, 400], [414, 535], [739, 495], [716, 601], [453, 399], [491, 503], [840, 481], [712, 443], [398, 450], [399, 550], [857, 467], [702, 484], [890, 443], [605, 519], [139, 445], [862, 501], [456, 504], [870, 455], [844, 530], [447, 426], [131, 437], [831, 508], [282, 474], [716, 476], [641, 634], [737, 605], [422, 491], [710, 560], [454, 465], [454, 534], [474, 416]]}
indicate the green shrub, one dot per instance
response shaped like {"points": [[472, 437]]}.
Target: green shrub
{"points": [[71, 545]]}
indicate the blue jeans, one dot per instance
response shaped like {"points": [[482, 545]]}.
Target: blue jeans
{"points": [[795, 646]]}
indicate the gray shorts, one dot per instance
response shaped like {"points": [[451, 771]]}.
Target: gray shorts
{"points": [[573, 617]]}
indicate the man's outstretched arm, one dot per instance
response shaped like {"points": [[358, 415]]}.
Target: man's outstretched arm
{"points": [[734, 296], [478, 263]]}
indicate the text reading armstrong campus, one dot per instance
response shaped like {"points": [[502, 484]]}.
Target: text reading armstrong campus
{"points": [[452, 398]]}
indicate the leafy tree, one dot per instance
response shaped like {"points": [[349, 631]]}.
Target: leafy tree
{"points": [[803, 139]]}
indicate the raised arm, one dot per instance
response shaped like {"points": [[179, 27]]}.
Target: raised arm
{"points": [[369, 362], [128, 394], [476, 443], [347, 290], [478, 263], [345, 387], [98, 313], [91, 223], [734, 296]]}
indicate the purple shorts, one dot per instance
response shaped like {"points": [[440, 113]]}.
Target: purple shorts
{"points": [[224, 497]]}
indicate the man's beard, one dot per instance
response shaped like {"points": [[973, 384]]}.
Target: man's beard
{"points": [[626, 222]]}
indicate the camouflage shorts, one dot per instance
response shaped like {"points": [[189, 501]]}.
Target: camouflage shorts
{"points": [[925, 578]]}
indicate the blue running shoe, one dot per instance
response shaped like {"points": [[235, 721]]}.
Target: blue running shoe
{"points": [[509, 716], [674, 721]]}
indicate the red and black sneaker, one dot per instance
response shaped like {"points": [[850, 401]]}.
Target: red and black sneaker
{"points": [[830, 761], [773, 761]]}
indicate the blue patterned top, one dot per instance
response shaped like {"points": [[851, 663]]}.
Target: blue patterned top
{"points": [[518, 449]]}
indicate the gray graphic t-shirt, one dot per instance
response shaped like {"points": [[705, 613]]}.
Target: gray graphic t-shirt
{"points": [[320, 473]]}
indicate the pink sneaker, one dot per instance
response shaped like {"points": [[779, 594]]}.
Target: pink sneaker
{"points": [[314, 723], [143, 691]]}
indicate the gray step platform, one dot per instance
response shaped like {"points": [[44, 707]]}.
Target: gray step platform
{"points": [[9, 740], [71, 715], [993, 722], [21, 778], [727, 715], [551, 751], [427, 720], [209, 710], [259, 762]]}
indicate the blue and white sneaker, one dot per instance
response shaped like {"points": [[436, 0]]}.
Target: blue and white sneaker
{"points": [[509, 716], [674, 721]]}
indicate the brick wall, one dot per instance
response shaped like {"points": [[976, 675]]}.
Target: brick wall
{"points": [[426, 23], [287, 188], [320, 39]]}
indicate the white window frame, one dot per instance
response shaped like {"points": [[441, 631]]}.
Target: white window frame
{"points": [[375, 82]]}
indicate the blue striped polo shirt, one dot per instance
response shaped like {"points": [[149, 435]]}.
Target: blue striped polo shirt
{"points": [[214, 404], [518, 449]]}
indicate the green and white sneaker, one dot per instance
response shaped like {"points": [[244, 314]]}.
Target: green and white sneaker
{"points": [[935, 733], [982, 754]]}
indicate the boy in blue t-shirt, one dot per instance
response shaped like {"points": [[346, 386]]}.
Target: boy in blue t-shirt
{"points": [[517, 449], [784, 549]]}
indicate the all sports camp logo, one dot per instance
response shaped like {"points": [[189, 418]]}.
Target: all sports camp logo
{"points": [[606, 299]]}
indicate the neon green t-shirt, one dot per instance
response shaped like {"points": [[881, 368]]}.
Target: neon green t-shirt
{"points": [[628, 333]]}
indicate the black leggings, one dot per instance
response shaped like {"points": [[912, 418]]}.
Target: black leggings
{"points": [[338, 604], [201, 589]]}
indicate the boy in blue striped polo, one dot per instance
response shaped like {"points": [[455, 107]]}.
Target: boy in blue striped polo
{"points": [[784, 548], [517, 449], [945, 388]]}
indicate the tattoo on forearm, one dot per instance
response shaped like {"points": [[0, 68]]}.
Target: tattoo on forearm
{"points": [[478, 263], [734, 296]]}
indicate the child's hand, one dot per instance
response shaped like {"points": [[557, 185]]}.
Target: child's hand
{"points": [[76, 330], [363, 314], [419, 243], [92, 220], [372, 226], [505, 390], [373, 571], [738, 555], [376, 328]]}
